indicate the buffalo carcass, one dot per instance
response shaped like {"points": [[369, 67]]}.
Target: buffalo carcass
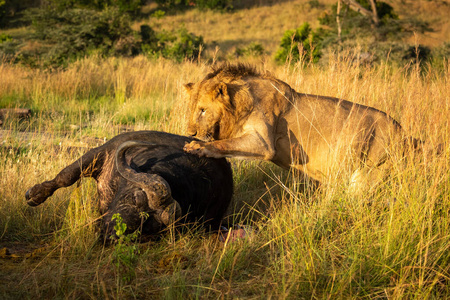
{"points": [[147, 173]]}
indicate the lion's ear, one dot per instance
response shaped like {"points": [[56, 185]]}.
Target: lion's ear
{"points": [[221, 90], [188, 87]]}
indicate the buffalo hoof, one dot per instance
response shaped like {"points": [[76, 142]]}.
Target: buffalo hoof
{"points": [[36, 195]]}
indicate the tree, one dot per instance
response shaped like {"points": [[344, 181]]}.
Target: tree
{"points": [[373, 15], [369, 15]]}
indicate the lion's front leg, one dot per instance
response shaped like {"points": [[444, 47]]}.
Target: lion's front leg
{"points": [[247, 146], [203, 149]]}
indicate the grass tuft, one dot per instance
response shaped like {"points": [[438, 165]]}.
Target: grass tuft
{"points": [[391, 242]]}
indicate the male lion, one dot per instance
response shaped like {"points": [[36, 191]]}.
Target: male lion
{"points": [[238, 112]]}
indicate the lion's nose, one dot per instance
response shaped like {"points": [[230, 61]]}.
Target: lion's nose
{"points": [[192, 132]]}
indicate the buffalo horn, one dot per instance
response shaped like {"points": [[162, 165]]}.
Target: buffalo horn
{"points": [[155, 187]]}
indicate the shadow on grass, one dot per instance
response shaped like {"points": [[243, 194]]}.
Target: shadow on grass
{"points": [[261, 187]]}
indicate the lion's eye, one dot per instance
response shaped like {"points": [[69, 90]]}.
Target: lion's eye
{"points": [[202, 111]]}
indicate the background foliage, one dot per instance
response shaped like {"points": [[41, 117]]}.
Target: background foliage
{"points": [[299, 44], [76, 32], [63, 31]]}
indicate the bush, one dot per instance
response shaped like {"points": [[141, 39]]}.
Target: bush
{"points": [[177, 45], [2, 9], [5, 37], [170, 3], [10, 11], [354, 25], [254, 49], [61, 36], [351, 18], [158, 14], [442, 52], [213, 4], [298, 44], [201, 4], [127, 6], [417, 54], [75, 32]]}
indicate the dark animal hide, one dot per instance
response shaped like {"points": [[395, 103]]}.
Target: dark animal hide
{"points": [[148, 173]]}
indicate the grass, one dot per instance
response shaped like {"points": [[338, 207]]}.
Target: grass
{"points": [[393, 243], [266, 21], [240, 28]]}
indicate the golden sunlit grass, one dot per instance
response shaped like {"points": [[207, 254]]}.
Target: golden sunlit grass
{"points": [[391, 243], [265, 23], [241, 27]]}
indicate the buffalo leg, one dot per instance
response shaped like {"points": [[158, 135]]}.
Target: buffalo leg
{"points": [[88, 165]]}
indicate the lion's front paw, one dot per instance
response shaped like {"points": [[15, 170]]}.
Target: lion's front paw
{"points": [[195, 147]]}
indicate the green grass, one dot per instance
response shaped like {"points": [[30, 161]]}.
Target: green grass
{"points": [[393, 242]]}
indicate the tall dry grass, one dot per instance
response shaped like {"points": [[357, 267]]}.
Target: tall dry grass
{"points": [[98, 93], [391, 243]]}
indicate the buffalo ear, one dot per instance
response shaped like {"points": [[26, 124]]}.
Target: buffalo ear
{"points": [[188, 87], [221, 90]]}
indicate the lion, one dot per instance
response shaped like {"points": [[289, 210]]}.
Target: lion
{"points": [[238, 112]]}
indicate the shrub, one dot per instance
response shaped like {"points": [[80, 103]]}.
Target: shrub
{"points": [[417, 54], [298, 44], [61, 36], [126, 250], [212, 4], [177, 45], [127, 6], [76, 32], [254, 49], [201, 4], [355, 25], [10, 11], [170, 3], [158, 14], [2, 8], [351, 18], [442, 52], [5, 37]]}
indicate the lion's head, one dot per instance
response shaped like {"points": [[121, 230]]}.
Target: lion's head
{"points": [[218, 103], [210, 111]]}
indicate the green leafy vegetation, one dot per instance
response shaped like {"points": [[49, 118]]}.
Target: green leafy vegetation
{"points": [[356, 30], [68, 30], [126, 251], [5, 38], [201, 4], [73, 33], [124, 6], [299, 44], [177, 45], [253, 49], [59, 32], [390, 243]]}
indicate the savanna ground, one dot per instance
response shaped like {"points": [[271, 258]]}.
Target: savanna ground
{"points": [[391, 243]]}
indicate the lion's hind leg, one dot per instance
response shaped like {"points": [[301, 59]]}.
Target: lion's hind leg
{"points": [[365, 180]]}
